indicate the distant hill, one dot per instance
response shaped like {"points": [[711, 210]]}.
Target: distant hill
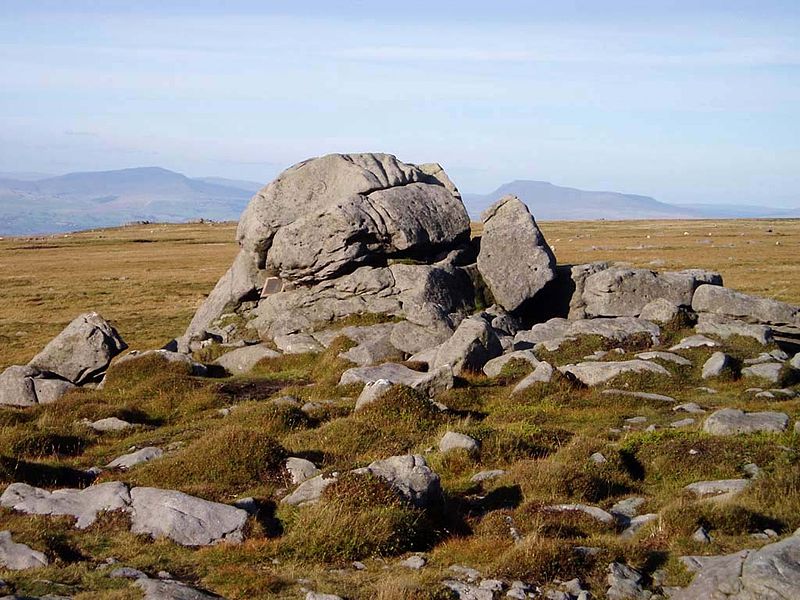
{"points": [[34, 204], [554, 203], [550, 202], [107, 198]]}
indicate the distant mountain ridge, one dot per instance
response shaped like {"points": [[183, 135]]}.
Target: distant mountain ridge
{"points": [[108, 198], [85, 200]]}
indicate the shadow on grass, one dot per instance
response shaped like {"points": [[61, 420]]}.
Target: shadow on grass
{"points": [[42, 474]]}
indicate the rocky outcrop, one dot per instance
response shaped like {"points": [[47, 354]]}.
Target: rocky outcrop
{"points": [[624, 292], [729, 303], [514, 260], [322, 235], [82, 352]]}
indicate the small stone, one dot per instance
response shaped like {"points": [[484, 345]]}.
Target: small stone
{"points": [[415, 562], [694, 341], [598, 458], [636, 420], [751, 470], [682, 423], [701, 536], [487, 475], [359, 566], [458, 441], [127, 573], [108, 424], [300, 469], [689, 407], [717, 365]]}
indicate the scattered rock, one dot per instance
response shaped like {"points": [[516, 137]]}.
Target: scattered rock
{"points": [[487, 475], [640, 395], [717, 365], [493, 367], [297, 343], [83, 504], [108, 424], [725, 327], [127, 573], [597, 513], [458, 441], [634, 524], [415, 562], [430, 384], [158, 589], [694, 341], [701, 536], [82, 351], [126, 461], [16, 557], [770, 371], [472, 345], [514, 259], [242, 360], [552, 334], [690, 407], [543, 373], [727, 302], [621, 292], [187, 520], [730, 421], [309, 491], [660, 310], [410, 475], [667, 356], [372, 391], [625, 583], [595, 373], [722, 488], [682, 423], [300, 469]]}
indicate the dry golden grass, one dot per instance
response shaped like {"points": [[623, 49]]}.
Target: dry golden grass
{"points": [[149, 279]]}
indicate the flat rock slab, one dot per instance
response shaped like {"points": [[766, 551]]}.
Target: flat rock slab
{"points": [[730, 421], [309, 492], [430, 383], [552, 334], [16, 557], [770, 371], [242, 360], [705, 489], [769, 573], [730, 303], [184, 519], [595, 373], [725, 327], [126, 461], [160, 589], [297, 343], [694, 341], [667, 356], [83, 504], [639, 395], [493, 367], [595, 512], [108, 424]]}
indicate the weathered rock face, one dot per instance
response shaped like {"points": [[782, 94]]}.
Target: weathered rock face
{"points": [[514, 260], [622, 292], [81, 352], [727, 302], [323, 232], [471, 346]]}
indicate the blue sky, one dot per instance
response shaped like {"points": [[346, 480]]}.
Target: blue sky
{"points": [[687, 101]]}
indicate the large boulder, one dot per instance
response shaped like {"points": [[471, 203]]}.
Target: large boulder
{"points": [[472, 345], [730, 303], [184, 519], [624, 292], [514, 259], [26, 386], [317, 223], [82, 352]]}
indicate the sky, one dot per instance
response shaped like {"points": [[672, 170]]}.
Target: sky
{"points": [[687, 101]]}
